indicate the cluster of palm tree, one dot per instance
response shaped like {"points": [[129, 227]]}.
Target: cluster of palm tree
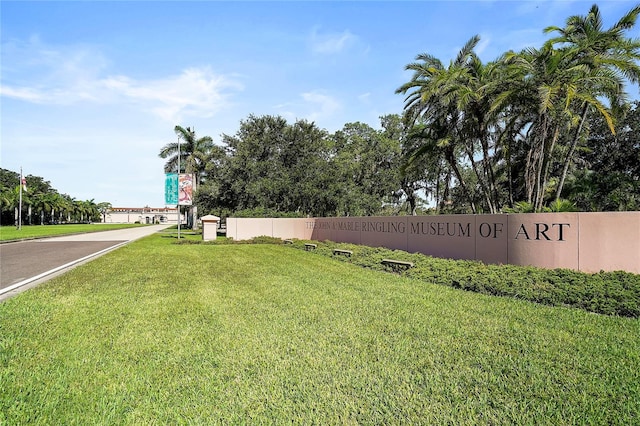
{"points": [[508, 130], [45, 205]]}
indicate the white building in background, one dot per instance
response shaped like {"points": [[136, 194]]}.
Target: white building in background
{"points": [[146, 215]]}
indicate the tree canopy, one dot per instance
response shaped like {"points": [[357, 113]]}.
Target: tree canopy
{"points": [[41, 203], [546, 128], [509, 129]]}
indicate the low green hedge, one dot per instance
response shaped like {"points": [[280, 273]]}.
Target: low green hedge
{"points": [[610, 293]]}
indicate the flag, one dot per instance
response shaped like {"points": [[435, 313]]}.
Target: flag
{"points": [[23, 182]]}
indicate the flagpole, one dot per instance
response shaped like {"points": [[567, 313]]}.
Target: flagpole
{"points": [[20, 203]]}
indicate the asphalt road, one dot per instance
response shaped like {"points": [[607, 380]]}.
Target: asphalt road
{"points": [[25, 264]]}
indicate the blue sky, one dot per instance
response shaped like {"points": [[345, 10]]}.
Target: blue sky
{"points": [[90, 91]]}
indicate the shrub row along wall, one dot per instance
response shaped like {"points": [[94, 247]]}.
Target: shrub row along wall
{"points": [[588, 242]]}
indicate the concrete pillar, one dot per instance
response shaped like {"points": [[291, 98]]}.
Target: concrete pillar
{"points": [[210, 227]]}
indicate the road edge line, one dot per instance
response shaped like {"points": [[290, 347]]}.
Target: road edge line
{"points": [[59, 268]]}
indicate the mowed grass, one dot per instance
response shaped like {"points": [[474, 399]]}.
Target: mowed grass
{"points": [[158, 333], [37, 231]]}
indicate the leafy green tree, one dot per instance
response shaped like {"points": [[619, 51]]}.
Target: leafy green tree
{"points": [[366, 163], [86, 211], [416, 179], [9, 180], [103, 208], [252, 177], [271, 164], [305, 170], [43, 203]]}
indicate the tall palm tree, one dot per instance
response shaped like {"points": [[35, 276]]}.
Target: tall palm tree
{"points": [[5, 199], [607, 56], [192, 154], [70, 207], [553, 91], [543, 99], [52, 202], [41, 205], [10, 199], [457, 100], [87, 209], [428, 111]]}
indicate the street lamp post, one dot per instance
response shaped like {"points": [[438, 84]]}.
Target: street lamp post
{"points": [[178, 206]]}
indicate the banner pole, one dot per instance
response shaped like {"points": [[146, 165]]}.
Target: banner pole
{"points": [[178, 206], [20, 203]]}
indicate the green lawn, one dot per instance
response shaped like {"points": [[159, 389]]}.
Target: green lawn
{"points": [[38, 231], [158, 333]]}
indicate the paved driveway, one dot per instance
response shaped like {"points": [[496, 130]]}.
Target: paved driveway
{"points": [[25, 264]]}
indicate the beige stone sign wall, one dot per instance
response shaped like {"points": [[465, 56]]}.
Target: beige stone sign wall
{"points": [[587, 242]]}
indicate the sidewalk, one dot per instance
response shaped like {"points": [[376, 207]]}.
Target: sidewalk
{"points": [[127, 234]]}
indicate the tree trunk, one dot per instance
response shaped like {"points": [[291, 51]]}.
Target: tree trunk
{"points": [[532, 137], [194, 208], [411, 199], [572, 149], [481, 180], [544, 167], [488, 171], [463, 185]]}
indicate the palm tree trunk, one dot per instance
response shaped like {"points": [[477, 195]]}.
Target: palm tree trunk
{"points": [[540, 160], [488, 171], [509, 172], [194, 208], [540, 164], [493, 189], [463, 185], [481, 180], [572, 149], [530, 165], [545, 166]]}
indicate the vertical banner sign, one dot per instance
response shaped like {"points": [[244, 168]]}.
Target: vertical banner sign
{"points": [[185, 186], [171, 189]]}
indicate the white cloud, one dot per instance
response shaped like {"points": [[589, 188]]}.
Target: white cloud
{"points": [[322, 106], [365, 98], [314, 106], [23, 93], [69, 75], [331, 43], [194, 92]]}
